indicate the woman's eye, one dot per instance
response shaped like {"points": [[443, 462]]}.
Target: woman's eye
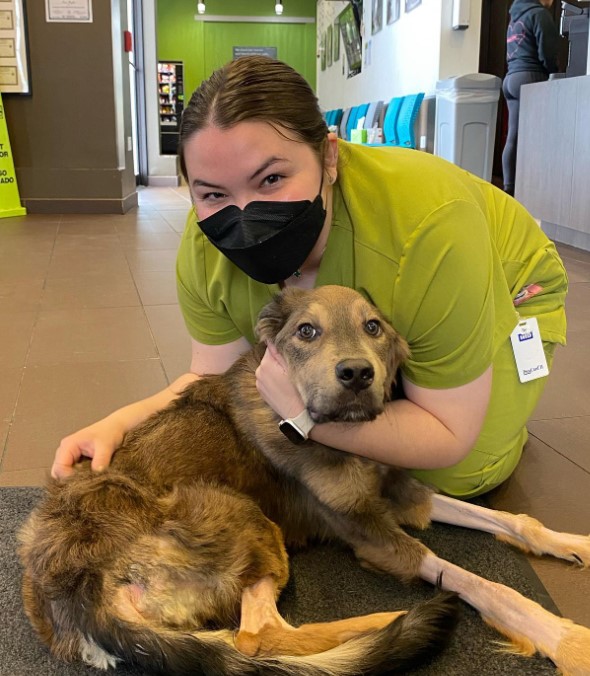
{"points": [[306, 332], [273, 179], [373, 327], [212, 196]]}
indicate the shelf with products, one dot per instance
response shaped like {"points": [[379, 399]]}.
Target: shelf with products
{"points": [[171, 103]]}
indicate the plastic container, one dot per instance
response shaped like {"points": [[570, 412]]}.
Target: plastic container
{"points": [[465, 121]]}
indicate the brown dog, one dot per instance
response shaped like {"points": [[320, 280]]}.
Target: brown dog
{"points": [[152, 561]]}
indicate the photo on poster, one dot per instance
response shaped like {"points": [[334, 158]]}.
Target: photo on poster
{"points": [[393, 11], [336, 41], [376, 16]]}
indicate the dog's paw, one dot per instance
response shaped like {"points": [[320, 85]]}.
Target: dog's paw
{"points": [[573, 653]]}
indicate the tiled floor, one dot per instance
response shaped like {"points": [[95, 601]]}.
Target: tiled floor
{"points": [[89, 322]]}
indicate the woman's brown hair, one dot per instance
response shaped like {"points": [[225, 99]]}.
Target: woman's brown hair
{"points": [[255, 88]]}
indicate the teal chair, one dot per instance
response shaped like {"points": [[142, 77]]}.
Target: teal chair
{"points": [[351, 123], [358, 113], [390, 123], [336, 117], [404, 128]]}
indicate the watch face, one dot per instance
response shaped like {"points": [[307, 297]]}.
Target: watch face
{"points": [[291, 432]]}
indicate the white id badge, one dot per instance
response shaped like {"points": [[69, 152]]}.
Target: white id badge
{"points": [[528, 350]]}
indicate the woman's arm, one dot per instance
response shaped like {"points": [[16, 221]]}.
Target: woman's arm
{"points": [[100, 440], [428, 430]]}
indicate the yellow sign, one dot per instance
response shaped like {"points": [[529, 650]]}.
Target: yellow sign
{"points": [[9, 198]]}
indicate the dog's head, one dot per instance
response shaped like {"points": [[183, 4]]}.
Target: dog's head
{"points": [[341, 353]]}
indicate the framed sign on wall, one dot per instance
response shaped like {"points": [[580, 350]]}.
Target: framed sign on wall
{"points": [[14, 62]]}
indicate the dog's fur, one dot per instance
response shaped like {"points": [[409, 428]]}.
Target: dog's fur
{"points": [[149, 561]]}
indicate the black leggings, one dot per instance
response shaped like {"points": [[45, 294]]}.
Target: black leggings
{"points": [[511, 88]]}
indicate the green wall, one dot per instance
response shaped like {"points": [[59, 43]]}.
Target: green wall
{"points": [[204, 46]]}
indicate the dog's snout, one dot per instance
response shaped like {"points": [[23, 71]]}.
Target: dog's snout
{"points": [[355, 374]]}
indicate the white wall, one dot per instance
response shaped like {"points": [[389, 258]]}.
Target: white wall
{"points": [[407, 56]]}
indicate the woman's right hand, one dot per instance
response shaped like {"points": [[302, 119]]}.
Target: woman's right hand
{"points": [[98, 441]]}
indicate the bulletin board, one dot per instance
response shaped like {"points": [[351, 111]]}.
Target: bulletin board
{"points": [[14, 62]]}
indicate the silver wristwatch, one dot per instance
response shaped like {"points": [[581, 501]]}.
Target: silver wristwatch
{"points": [[297, 429]]}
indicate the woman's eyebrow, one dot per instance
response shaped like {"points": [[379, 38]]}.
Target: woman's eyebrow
{"points": [[263, 167], [204, 184], [266, 165]]}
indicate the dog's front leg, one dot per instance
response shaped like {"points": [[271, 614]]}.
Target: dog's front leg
{"points": [[264, 632], [520, 530], [529, 626]]}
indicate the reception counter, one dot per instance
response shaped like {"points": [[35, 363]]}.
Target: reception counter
{"points": [[553, 160]]}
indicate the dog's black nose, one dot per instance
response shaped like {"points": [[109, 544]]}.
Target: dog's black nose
{"points": [[356, 374]]}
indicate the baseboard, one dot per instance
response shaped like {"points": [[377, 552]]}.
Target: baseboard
{"points": [[81, 205], [559, 233], [163, 181]]}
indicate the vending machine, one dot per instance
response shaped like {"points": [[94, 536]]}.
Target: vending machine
{"points": [[171, 104]]}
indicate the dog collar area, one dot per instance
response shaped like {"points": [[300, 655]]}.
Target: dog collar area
{"points": [[297, 429]]}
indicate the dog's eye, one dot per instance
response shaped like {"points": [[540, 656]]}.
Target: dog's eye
{"points": [[306, 331], [373, 327]]}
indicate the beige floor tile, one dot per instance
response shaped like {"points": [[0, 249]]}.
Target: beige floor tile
{"points": [[578, 307], [567, 391], [156, 288], [66, 243], [94, 290], [147, 241], [172, 338], [140, 226], [38, 225], [81, 263], [15, 336], [567, 436], [25, 477], [21, 295], [176, 217], [59, 399], [553, 490], [151, 261], [91, 335], [24, 268], [10, 379]]}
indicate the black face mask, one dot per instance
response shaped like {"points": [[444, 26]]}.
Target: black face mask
{"points": [[269, 241]]}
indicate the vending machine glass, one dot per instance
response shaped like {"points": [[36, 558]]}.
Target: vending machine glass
{"points": [[171, 104]]}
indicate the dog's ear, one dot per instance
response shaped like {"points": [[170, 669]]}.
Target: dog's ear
{"points": [[399, 352], [273, 316]]}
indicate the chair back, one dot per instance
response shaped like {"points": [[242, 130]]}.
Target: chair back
{"points": [[373, 114], [336, 117], [390, 121], [351, 124], [404, 129], [344, 123]]}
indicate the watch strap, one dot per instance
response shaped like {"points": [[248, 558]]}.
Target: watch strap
{"points": [[297, 429]]}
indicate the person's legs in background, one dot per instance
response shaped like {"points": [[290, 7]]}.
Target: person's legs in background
{"points": [[511, 89]]}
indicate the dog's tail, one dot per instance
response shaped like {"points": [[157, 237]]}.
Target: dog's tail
{"points": [[407, 642]]}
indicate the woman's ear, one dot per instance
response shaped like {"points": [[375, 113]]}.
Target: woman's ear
{"points": [[331, 156]]}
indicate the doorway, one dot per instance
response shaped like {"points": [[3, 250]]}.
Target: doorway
{"points": [[137, 92]]}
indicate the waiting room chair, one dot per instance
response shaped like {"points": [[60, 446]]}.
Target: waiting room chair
{"points": [[374, 113], [344, 123], [404, 128]]}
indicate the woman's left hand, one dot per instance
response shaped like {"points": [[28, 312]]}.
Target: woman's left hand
{"points": [[274, 385]]}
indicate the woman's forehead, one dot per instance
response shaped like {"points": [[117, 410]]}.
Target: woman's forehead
{"points": [[244, 147]]}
